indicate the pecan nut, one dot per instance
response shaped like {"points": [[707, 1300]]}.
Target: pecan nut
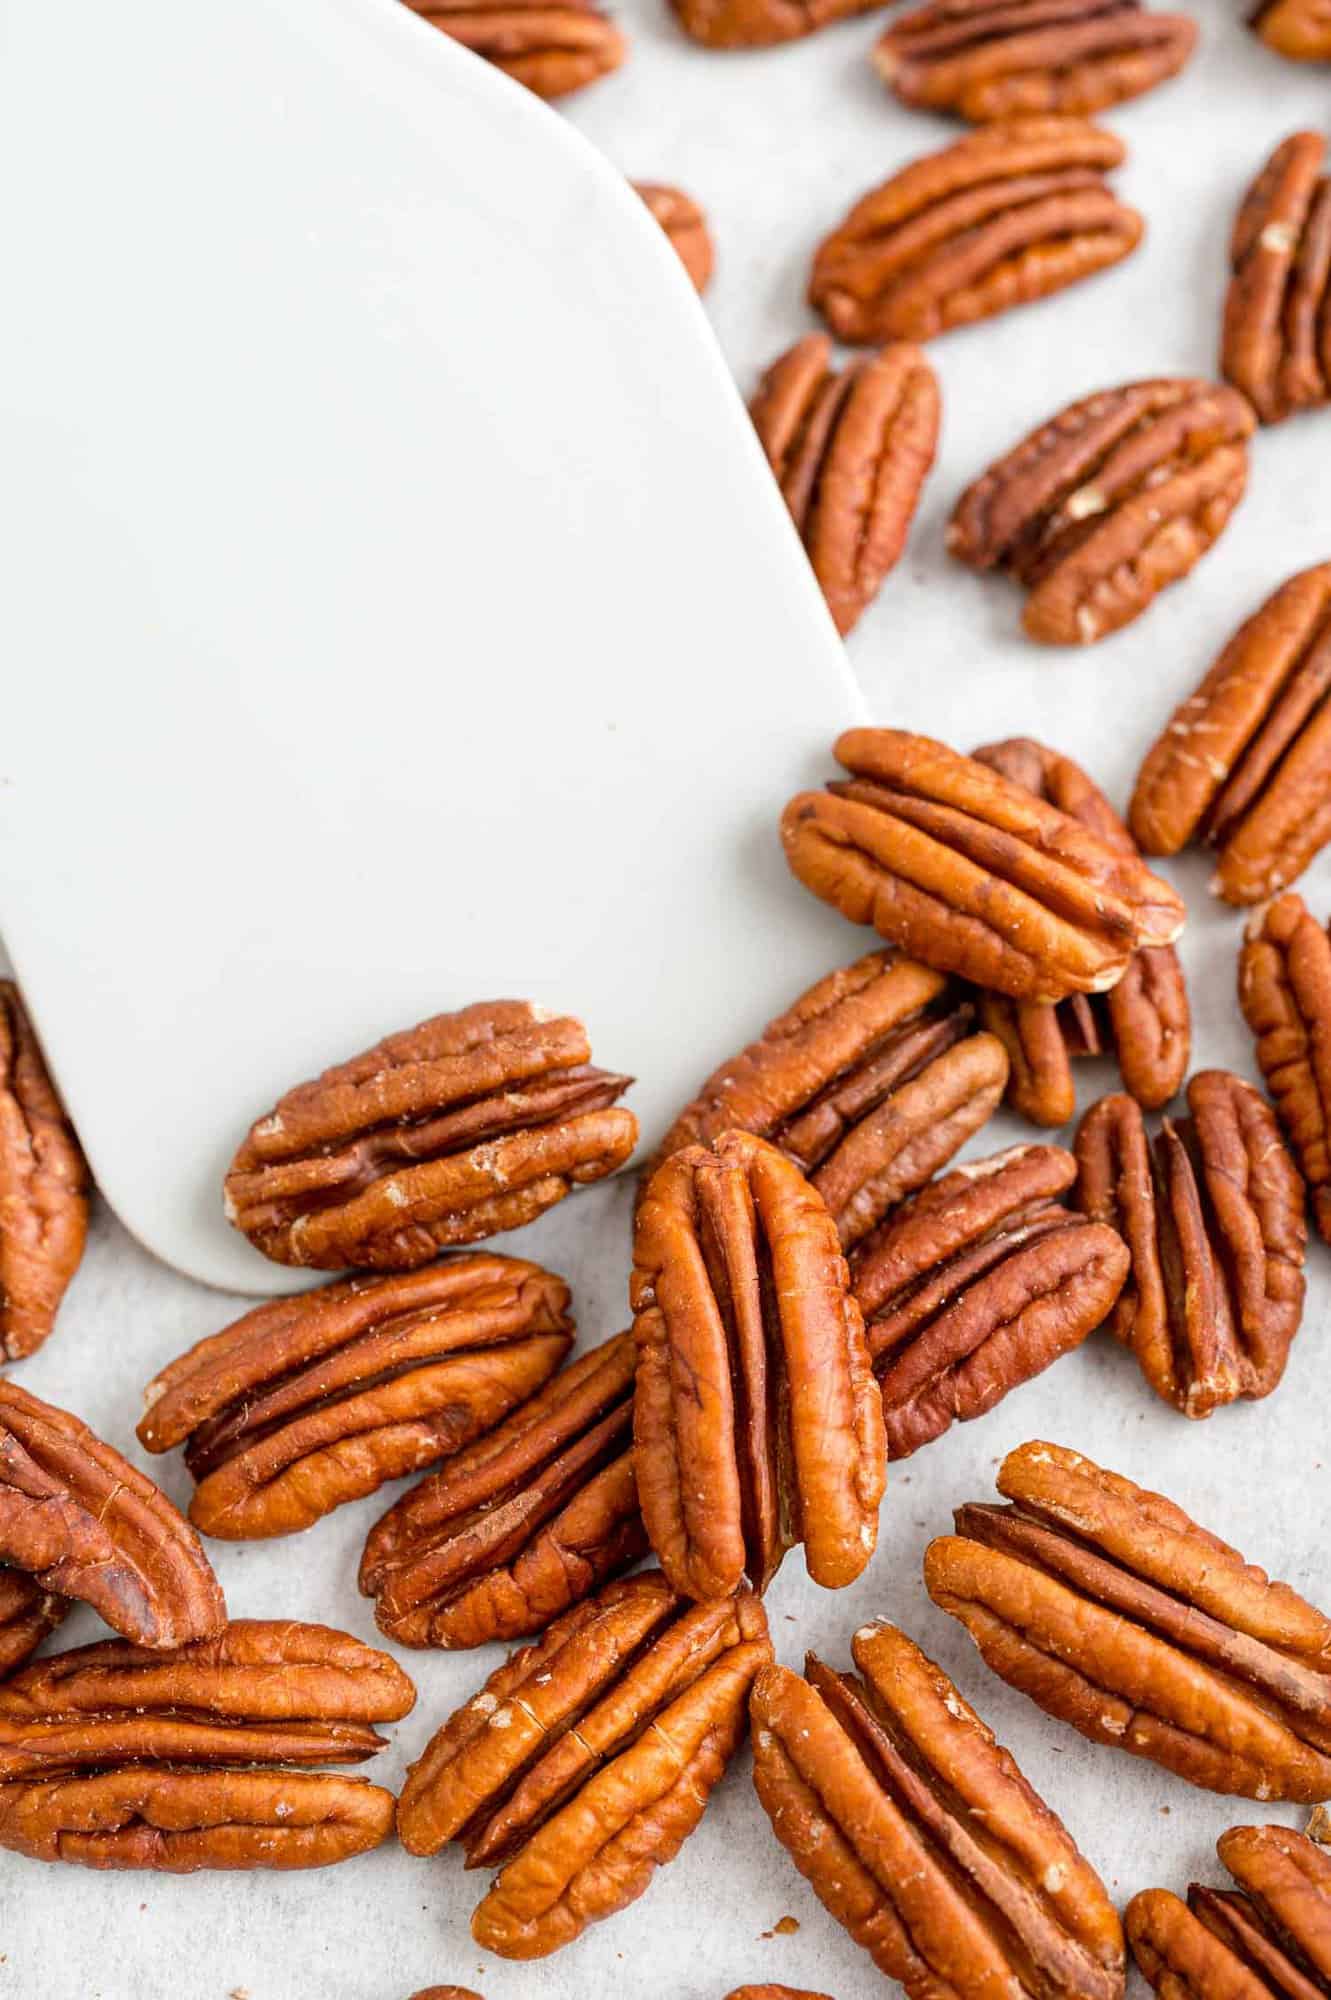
{"points": [[27, 1614], [979, 1284], [467, 1124], [1001, 217], [759, 24], [1285, 994], [1299, 29], [920, 1835], [43, 1187], [756, 1420], [686, 226], [989, 59], [308, 1402], [774, 1993], [971, 873], [851, 453], [587, 1759], [1276, 341], [1115, 1612], [1108, 503], [522, 1524], [1246, 761], [446, 1993], [1270, 1939], [552, 46]]}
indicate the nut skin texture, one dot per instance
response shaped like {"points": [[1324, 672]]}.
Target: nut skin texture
{"points": [[1285, 994], [758, 24], [977, 1285], [994, 59], [27, 1615], [1298, 29], [1003, 216], [521, 1525], [1245, 762], [43, 1188], [1276, 337], [1108, 503], [971, 873], [685, 224], [308, 1402], [467, 1124], [551, 46], [587, 1759], [1270, 1939], [756, 1420], [851, 453], [1114, 1611], [920, 1835]]}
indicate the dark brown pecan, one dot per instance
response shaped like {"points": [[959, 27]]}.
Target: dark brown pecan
{"points": [[27, 1614], [999, 218], [1117, 1613], [521, 1525], [851, 453], [1212, 1213], [756, 1420], [1276, 343], [919, 1833], [1268, 1940], [1299, 29], [1108, 503], [470, 1123], [977, 1285], [757, 24], [587, 1759], [553, 46], [1285, 994], [686, 226], [1245, 762], [43, 1187]]}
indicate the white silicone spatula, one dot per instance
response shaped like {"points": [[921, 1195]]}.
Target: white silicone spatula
{"points": [[398, 610]]}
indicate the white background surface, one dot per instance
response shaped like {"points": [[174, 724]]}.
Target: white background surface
{"points": [[776, 146]]}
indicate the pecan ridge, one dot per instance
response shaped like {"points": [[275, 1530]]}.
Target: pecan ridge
{"points": [[1285, 994], [43, 1187], [1269, 1939], [27, 1614], [1276, 339]]}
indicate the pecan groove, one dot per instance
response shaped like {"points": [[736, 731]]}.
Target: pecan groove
{"points": [[1269, 1939], [43, 1187], [551, 46], [1285, 994], [1298, 29], [27, 1614], [1276, 341], [686, 226]]}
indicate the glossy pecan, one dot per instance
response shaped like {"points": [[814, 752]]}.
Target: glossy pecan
{"points": [[757, 24], [972, 874], [1299, 29], [1285, 994], [470, 1123], [1268, 1940], [1117, 1613], [1003, 216], [920, 1835], [756, 1421], [553, 46], [587, 1759], [308, 1402], [851, 453], [686, 226], [520, 1525], [1245, 762], [978, 1284], [1276, 340], [1108, 503], [27, 1614], [43, 1187]]}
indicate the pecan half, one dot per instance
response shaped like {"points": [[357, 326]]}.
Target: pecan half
{"points": [[758, 24], [553, 46], [521, 1525], [1268, 1940], [586, 1760], [756, 1421], [971, 873], [27, 1614], [1117, 1613], [43, 1187], [686, 226], [999, 218], [1246, 761], [774, 1993], [470, 1123], [1108, 503], [308, 1402], [446, 1993], [1276, 343], [978, 1284], [1299, 29], [1285, 994], [851, 453], [987, 59], [920, 1835]]}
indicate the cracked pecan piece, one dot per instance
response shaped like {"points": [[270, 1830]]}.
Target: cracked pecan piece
{"points": [[851, 453], [1108, 503], [977, 1285], [759, 24], [919, 1834], [685, 224], [1269, 1939], [552, 46], [308, 1402], [1285, 994], [587, 1759], [1276, 339], [43, 1187], [756, 1420], [970, 872], [1115, 1612], [27, 1614], [1001, 217], [446, 1133], [1298, 29], [522, 1524]]}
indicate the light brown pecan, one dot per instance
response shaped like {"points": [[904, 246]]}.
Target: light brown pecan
{"points": [[1268, 1940], [978, 1284], [470, 1123], [1117, 1613], [1001, 217], [520, 1525], [27, 1614], [1276, 342], [970, 872], [920, 1835], [851, 453], [1299, 29], [308, 1402], [1245, 762], [686, 226], [757, 24], [553, 46], [1285, 994], [756, 1420], [1108, 503], [1180, 1957], [586, 1760], [43, 1187]]}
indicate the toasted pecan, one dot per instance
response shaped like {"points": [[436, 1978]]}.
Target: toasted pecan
{"points": [[1276, 339], [27, 1614], [43, 1187], [1285, 994], [1268, 1939], [758, 24], [551, 46], [686, 226]]}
